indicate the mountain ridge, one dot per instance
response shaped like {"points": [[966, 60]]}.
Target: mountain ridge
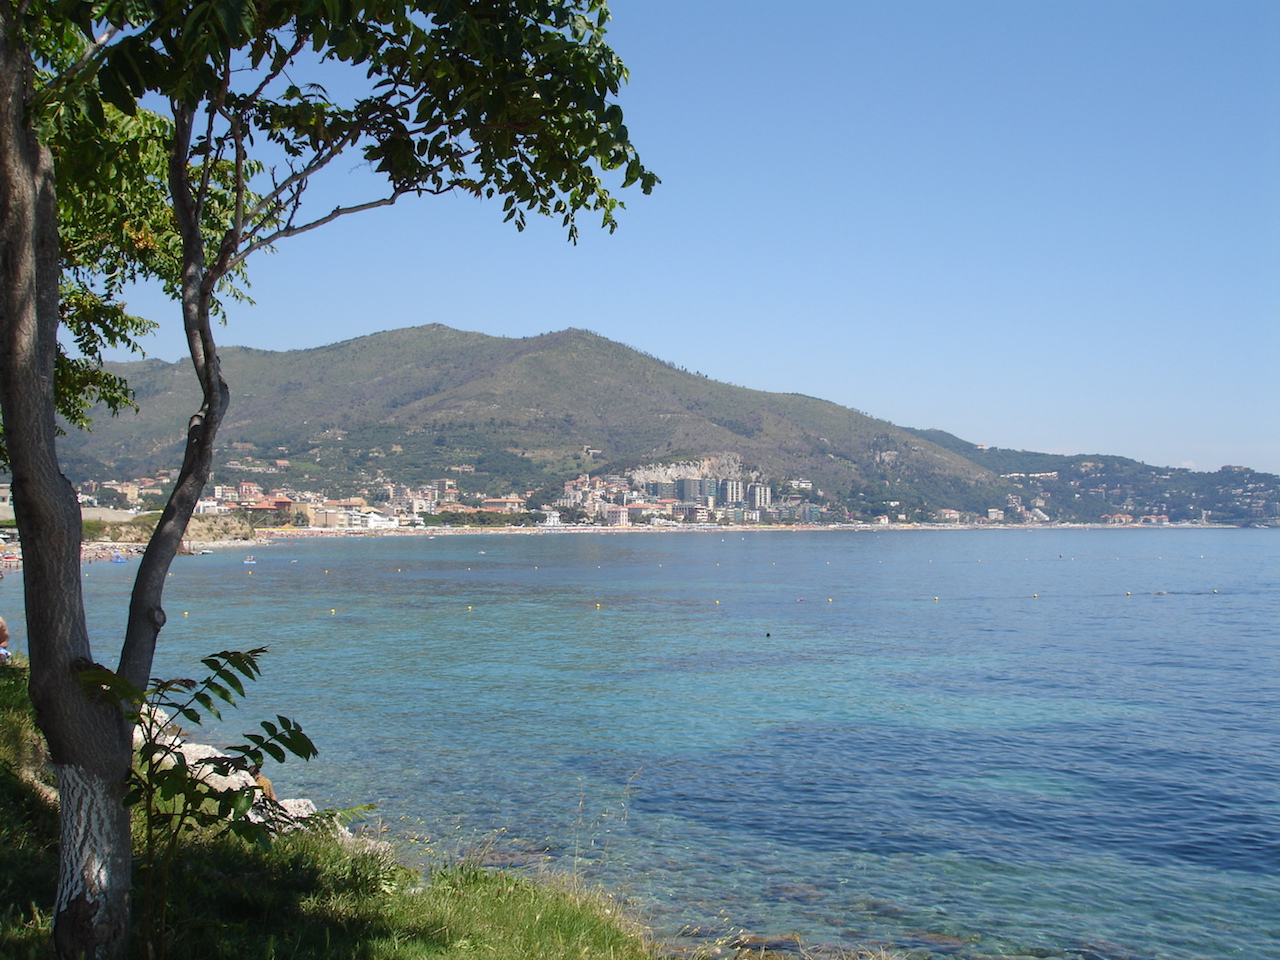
{"points": [[526, 413]]}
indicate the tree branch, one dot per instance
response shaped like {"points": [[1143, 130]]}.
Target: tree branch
{"points": [[146, 615], [92, 53], [313, 166], [291, 231]]}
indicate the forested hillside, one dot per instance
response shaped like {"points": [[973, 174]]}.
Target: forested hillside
{"points": [[519, 414], [524, 413]]}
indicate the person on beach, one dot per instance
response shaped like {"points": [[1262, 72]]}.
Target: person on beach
{"points": [[4, 643]]}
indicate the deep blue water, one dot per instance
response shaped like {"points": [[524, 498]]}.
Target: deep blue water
{"points": [[1058, 743]]}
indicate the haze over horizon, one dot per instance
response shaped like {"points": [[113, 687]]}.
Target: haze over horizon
{"points": [[1051, 227]]}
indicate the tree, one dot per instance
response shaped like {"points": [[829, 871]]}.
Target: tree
{"points": [[496, 98]]}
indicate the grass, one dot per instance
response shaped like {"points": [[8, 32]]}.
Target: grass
{"points": [[310, 895], [317, 896], [28, 826]]}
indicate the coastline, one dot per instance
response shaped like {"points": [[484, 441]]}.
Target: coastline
{"points": [[98, 551], [924, 547], [268, 535]]}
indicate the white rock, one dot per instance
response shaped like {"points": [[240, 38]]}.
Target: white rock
{"points": [[299, 808]]}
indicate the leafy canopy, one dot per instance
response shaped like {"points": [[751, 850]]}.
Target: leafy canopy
{"points": [[507, 99]]}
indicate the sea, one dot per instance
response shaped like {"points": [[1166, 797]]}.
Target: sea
{"points": [[1054, 743]]}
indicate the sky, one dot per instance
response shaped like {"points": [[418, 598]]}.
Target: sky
{"points": [[1047, 225]]}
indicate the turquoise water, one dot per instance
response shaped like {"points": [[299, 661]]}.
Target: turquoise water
{"points": [[1058, 743]]}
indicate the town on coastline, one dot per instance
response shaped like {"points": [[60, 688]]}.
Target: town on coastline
{"points": [[687, 495]]}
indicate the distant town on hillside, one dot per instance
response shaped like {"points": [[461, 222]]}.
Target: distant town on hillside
{"points": [[267, 495], [433, 425]]}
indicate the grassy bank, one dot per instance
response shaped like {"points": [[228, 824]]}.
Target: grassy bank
{"points": [[318, 896], [310, 895]]}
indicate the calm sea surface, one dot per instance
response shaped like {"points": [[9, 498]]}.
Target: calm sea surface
{"points": [[1059, 743]]}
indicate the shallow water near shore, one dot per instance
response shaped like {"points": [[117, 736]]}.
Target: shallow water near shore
{"points": [[1059, 743]]}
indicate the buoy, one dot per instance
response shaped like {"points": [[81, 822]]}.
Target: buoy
{"points": [[717, 601], [1215, 591], [829, 600], [186, 613], [468, 608], [1128, 593], [597, 606], [935, 599], [332, 612], [1035, 596]]}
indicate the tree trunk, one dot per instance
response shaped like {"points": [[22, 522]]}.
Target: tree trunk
{"points": [[89, 738], [146, 614]]}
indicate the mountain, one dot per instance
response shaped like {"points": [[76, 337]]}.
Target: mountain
{"points": [[513, 414], [411, 403]]}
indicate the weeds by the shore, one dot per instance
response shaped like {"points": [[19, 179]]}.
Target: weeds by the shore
{"points": [[310, 895], [314, 895]]}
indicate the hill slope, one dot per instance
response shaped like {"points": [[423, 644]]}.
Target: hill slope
{"points": [[409, 403]]}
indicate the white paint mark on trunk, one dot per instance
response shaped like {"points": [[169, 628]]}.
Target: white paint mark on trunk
{"points": [[90, 867]]}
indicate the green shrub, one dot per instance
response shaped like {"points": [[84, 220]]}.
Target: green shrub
{"points": [[311, 894]]}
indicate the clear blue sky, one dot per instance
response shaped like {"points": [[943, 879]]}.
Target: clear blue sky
{"points": [[1046, 225]]}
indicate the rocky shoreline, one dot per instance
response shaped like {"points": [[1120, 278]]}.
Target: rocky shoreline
{"points": [[221, 771]]}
